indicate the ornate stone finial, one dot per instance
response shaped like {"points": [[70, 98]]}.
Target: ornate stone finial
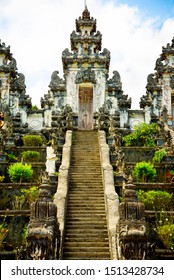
{"points": [[86, 13], [43, 230], [132, 244]]}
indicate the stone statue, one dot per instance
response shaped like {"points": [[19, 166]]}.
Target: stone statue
{"points": [[120, 164], [102, 119], [131, 229]]}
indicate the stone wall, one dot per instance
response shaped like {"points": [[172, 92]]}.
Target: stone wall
{"points": [[111, 197], [60, 199]]}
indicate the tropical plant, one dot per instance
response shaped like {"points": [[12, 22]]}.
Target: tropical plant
{"points": [[19, 172], [159, 155], [144, 172], [32, 140], [156, 200], [143, 135], [30, 155]]}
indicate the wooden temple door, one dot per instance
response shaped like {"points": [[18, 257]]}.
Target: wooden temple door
{"points": [[85, 119]]}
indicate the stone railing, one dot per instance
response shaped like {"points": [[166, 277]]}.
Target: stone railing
{"points": [[111, 197], [62, 190]]}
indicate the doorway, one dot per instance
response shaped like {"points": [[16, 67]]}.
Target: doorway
{"points": [[85, 119]]}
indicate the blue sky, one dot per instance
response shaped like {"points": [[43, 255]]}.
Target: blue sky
{"points": [[133, 31]]}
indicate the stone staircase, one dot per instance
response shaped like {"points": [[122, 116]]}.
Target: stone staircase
{"points": [[86, 236]]}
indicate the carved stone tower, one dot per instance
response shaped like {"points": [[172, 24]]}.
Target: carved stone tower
{"points": [[86, 70]]}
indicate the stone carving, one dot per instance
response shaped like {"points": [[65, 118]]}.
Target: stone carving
{"points": [[47, 101], [131, 230], [18, 84], [159, 67], [124, 102], [55, 81], [66, 52], [3, 48], [12, 65], [145, 100], [151, 81], [43, 230], [85, 75], [103, 119], [116, 80]]}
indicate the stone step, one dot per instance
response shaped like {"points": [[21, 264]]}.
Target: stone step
{"points": [[86, 227], [86, 235], [86, 220], [97, 206], [73, 216], [88, 249], [81, 212], [89, 244], [85, 202], [74, 198], [87, 256]]}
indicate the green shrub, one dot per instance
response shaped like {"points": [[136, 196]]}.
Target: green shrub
{"points": [[166, 234], [19, 172], [30, 156], [155, 200], [143, 135], [159, 155], [144, 172], [32, 140]]}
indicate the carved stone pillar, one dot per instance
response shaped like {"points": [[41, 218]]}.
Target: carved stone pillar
{"points": [[131, 230], [43, 229]]}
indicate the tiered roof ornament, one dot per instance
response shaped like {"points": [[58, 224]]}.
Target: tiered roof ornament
{"points": [[86, 44]]}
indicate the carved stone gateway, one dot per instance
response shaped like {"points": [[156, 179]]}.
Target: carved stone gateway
{"points": [[43, 230], [131, 230]]}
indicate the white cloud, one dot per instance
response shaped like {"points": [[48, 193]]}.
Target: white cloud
{"points": [[39, 30]]}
